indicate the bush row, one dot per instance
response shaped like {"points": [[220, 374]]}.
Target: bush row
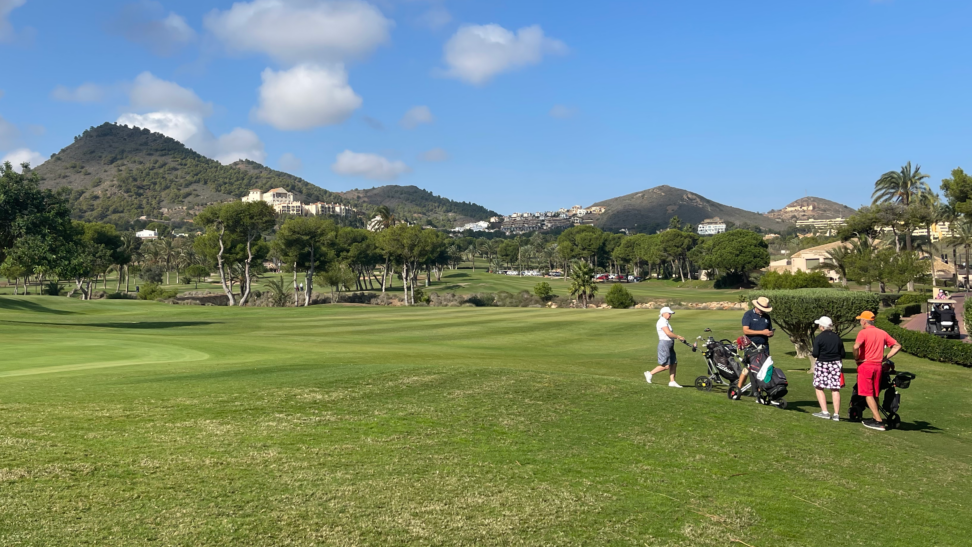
{"points": [[922, 344]]}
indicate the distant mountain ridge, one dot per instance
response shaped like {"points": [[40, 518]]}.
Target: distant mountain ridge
{"points": [[811, 208], [651, 210], [417, 205], [116, 173]]}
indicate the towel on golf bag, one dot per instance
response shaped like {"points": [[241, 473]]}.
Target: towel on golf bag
{"points": [[766, 376]]}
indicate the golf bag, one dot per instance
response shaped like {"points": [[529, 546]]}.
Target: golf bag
{"points": [[722, 363], [769, 383], [891, 382]]}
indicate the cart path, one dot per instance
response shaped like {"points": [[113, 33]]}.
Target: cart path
{"points": [[917, 322]]}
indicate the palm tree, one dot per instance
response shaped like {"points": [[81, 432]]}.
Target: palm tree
{"points": [[167, 254], [902, 187], [130, 249], [962, 237], [582, 281], [839, 258]]}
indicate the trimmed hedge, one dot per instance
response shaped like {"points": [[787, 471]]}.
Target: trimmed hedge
{"points": [[927, 346], [794, 311], [907, 310]]}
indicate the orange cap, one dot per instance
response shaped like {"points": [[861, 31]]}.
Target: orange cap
{"points": [[866, 315]]}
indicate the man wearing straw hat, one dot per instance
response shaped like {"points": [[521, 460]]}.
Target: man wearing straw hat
{"points": [[756, 324]]}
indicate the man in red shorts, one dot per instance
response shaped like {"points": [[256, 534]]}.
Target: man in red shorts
{"points": [[869, 354]]}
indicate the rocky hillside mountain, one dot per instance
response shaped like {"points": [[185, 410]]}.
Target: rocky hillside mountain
{"points": [[651, 210], [116, 173], [811, 208], [420, 206]]}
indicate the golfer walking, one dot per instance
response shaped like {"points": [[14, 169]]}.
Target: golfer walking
{"points": [[869, 354], [666, 347]]}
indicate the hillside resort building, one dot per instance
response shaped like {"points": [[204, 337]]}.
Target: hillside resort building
{"points": [[712, 226], [283, 202]]}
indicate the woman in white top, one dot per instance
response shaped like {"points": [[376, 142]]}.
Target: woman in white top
{"points": [[666, 347]]}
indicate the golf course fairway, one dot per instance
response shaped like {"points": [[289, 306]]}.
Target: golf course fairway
{"points": [[136, 423]]}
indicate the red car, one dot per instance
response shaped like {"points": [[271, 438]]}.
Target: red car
{"points": [[602, 277]]}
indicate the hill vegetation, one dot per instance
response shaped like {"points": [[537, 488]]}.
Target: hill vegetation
{"points": [[420, 206], [651, 210], [811, 208], [114, 173]]}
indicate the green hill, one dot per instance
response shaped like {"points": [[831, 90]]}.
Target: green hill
{"points": [[116, 173], [652, 209], [420, 206]]}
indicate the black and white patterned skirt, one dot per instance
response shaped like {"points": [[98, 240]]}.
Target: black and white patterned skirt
{"points": [[826, 375]]}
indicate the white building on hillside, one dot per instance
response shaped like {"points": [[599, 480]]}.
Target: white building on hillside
{"points": [[712, 226], [283, 203], [147, 234]]}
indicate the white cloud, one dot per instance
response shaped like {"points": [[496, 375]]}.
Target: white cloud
{"points": [[22, 155], [179, 113], [416, 116], [434, 155], [435, 18], [149, 92], [180, 126], [7, 33], [9, 134], [236, 145], [475, 54], [146, 23], [300, 31], [84, 93], [306, 96], [290, 163], [369, 166], [562, 112]]}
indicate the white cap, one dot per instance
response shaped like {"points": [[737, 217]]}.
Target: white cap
{"points": [[824, 322], [665, 310]]}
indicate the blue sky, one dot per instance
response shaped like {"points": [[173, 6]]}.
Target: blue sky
{"points": [[513, 105]]}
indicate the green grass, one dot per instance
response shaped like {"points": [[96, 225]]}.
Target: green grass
{"points": [[133, 423]]}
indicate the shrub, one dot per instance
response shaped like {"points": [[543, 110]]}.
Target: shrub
{"points": [[543, 290], [800, 280], [927, 346], [153, 291], [907, 310], [117, 296], [619, 297], [911, 298], [51, 288], [794, 311], [483, 300]]}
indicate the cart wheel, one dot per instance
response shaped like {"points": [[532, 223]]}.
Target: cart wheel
{"points": [[782, 405], [733, 393], [894, 421], [703, 383], [855, 415]]}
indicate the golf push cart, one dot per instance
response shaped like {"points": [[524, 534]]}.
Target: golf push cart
{"points": [[940, 318]]}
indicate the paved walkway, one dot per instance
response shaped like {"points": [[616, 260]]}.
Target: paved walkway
{"points": [[917, 322]]}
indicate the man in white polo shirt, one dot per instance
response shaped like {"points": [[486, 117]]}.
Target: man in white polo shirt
{"points": [[666, 347]]}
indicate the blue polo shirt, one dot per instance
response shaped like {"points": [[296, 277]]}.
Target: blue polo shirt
{"points": [[756, 321]]}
